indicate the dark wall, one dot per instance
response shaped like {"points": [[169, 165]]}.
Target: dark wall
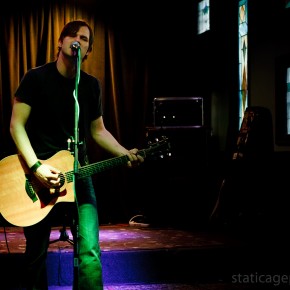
{"points": [[182, 63]]}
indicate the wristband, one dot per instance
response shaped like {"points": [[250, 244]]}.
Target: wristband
{"points": [[35, 166]]}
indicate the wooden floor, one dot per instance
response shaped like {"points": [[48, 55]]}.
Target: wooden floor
{"points": [[123, 237]]}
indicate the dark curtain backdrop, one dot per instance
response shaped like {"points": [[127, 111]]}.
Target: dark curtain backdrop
{"points": [[29, 36], [141, 51]]}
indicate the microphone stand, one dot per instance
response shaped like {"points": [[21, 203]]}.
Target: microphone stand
{"points": [[76, 169]]}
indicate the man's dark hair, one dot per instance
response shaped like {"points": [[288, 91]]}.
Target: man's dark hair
{"points": [[71, 29]]}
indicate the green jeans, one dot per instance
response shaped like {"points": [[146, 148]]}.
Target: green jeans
{"points": [[85, 229]]}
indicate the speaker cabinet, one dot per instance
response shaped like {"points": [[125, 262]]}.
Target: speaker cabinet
{"points": [[186, 143], [178, 111]]}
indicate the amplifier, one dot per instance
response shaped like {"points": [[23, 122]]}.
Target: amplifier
{"points": [[186, 142], [178, 111]]}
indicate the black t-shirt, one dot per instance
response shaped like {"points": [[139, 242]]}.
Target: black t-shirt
{"points": [[51, 97]]}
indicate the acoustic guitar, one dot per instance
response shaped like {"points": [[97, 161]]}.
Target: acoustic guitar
{"points": [[24, 201]]}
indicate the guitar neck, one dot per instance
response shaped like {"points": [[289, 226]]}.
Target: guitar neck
{"points": [[90, 169]]}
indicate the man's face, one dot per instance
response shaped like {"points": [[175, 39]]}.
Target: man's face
{"points": [[82, 37]]}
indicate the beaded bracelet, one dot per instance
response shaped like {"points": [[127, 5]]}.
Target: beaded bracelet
{"points": [[35, 166]]}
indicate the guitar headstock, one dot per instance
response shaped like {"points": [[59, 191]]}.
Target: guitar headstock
{"points": [[160, 148]]}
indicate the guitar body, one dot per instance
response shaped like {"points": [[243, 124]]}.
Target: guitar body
{"points": [[21, 207]]}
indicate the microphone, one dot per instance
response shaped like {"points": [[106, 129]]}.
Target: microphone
{"points": [[75, 46]]}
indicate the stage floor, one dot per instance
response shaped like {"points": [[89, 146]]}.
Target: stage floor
{"points": [[123, 237], [164, 251]]}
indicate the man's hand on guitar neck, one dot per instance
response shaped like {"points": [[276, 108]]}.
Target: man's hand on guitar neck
{"points": [[134, 158]]}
